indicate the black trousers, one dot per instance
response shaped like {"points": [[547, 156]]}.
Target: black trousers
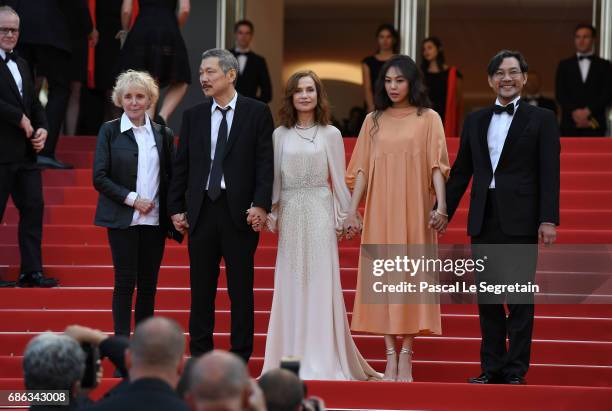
{"points": [[23, 182], [217, 236], [53, 64], [516, 261], [137, 253]]}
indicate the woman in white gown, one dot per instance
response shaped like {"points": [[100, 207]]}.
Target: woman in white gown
{"points": [[308, 318]]}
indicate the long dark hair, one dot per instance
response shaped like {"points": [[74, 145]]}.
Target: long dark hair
{"points": [[440, 59], [394, 34], [417, 92]]}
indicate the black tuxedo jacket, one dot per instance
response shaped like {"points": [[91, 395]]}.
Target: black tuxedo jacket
{"points": [[572, 93], [247, 166], [527, 175], [115, 173], [254, 78], [14, 146]]}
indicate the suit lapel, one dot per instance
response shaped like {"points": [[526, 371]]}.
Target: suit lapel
{"points": [[9, 77], [237, 124], [158, 139], [520, 120], [576, 71], [205, 124], [483, 130]]}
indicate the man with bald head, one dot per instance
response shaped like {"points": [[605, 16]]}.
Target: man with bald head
{"points": [[220, 381], [155, 363]]}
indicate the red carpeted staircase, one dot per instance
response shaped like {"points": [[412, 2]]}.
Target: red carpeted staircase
{"points": [[572, 349]]}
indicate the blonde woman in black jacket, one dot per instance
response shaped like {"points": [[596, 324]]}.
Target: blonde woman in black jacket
{"points": [[132, 167]]}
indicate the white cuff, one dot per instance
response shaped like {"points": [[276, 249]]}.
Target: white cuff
{"points": [[131, 199]]}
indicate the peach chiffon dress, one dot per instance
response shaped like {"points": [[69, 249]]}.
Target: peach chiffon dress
{"points": [[398, 163]]}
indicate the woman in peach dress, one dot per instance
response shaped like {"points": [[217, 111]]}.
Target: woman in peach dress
{"points": [[401, 163]]}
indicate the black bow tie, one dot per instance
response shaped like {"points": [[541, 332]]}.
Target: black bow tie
{"points": [[242, 53], [497, 109], [11, 56], [580, 58]]}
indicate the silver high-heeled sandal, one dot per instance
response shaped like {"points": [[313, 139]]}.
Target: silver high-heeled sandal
{"points": [[405, 375], [390, 374]]}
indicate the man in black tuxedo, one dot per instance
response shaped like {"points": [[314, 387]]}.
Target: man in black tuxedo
{"points": [[46, 45], [23, 131], [253, 77], [512, 151], [222, 182], [584, 87]]}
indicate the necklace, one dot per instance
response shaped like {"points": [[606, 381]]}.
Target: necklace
{"points": [[305, 127], [310, 140]]}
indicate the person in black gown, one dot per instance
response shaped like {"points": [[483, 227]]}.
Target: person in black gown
{"points": [[443, 82], [388, 45], [155, 44]]}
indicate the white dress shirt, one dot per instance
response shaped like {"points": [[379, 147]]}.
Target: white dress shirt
{"points": [[497, 133], [147, 177], [12, 66], [584, 64], [242, 59], [215, 123]]}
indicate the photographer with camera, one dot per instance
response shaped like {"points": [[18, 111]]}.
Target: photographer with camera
{"points": [[284, 391], [71, 362], [155, 362]]}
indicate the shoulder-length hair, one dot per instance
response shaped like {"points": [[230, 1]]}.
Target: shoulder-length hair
{"points": [[417, 92], [288, 113], [133, 78], [440, 59]]}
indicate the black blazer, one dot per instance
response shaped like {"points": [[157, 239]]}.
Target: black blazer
{"points": [[254, 78], [527, 175], [14, 146], [572, 93], [146, 394], [247, 166], [115, 174]]}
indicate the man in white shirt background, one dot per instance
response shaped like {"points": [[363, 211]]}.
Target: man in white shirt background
{"points": [[23, 132], [584, 87]]}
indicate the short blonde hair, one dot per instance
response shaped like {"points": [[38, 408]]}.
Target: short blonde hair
{"points": [[133, 78]]}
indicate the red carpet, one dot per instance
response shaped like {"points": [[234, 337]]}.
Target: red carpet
{"points": [[572, 349]]}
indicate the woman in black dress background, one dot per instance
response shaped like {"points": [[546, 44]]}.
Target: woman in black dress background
{"points": [[444, 84], [155, 44], [388, 45]]}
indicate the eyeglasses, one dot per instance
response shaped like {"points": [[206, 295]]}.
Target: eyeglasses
{"points": [[8, 30], [500, 74]]}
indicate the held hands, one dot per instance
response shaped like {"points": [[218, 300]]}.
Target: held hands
{"points": [[180, 222], [581, 117], [438, 220], [256, 218], [39, 139], [547, 233], [352, 225], [143, 205]]}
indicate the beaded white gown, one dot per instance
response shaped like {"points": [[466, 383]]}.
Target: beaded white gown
{"points": [[308, 318]]}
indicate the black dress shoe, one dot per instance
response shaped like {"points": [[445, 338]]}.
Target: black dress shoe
{"points": [[514, 380], [36, 279], [484, 378], [50, 162], [6, 284]]}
